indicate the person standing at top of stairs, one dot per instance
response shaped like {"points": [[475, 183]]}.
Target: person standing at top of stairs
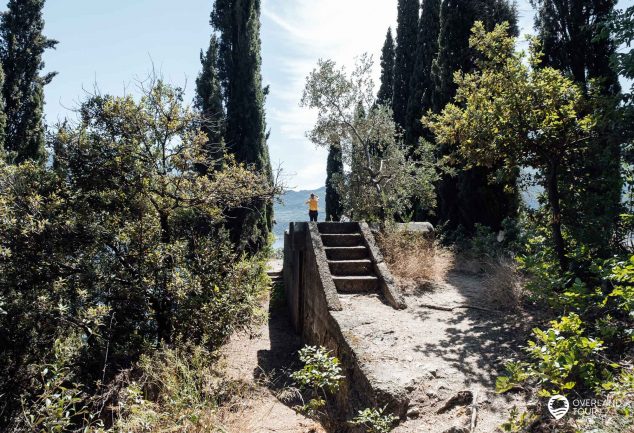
{"points": [[313, 207]]}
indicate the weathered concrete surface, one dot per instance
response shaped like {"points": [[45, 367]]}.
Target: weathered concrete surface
{"points": [[386, 280], [425, 356], [411, 360], [313, 302]]}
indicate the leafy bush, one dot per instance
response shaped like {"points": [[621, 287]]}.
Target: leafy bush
{"points": [[120, 242], [61, 402], [562, 358], [375, 420], [320, 375]]}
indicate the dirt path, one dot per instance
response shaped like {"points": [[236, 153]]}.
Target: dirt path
{"points": [[433, 354], [434, 350], [257, 360]]}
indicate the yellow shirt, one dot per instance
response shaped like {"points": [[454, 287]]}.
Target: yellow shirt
{"points": [[313, 204]]}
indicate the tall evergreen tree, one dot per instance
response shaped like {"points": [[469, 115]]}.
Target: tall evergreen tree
{"points": [[3, 118], [422, 83], [469, 197], [238, 25], [386, 91], [209, 102], [573, 42], [334, 169], [406, 34], [21, 48]]}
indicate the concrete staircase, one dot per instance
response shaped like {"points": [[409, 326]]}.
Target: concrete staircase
{"points": [[276, 277], [348, 258]]}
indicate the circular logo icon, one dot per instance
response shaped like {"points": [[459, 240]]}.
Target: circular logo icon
{"points": [[558, 406]]}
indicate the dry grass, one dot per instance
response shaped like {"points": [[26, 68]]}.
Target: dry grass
{"points": [[503, 284], [415, 256]]}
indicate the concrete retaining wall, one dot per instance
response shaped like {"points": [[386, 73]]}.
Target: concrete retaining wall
{"points": [[311, 297]]}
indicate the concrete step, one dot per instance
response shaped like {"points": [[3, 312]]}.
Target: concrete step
{"points": [[338, 228], [342, 240], [356, 284], [346, 253], [350, 267]]}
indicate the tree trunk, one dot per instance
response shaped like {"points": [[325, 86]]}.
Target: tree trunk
{"points": [[552, 190], [163, 304]]}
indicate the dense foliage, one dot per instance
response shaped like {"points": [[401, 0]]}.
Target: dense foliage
{"points": [[510, 114], [467, 197], [573, 42], [512, 110], [405, 52], [119, 247], [237, 24], [334, 177], [386, 88], [422, 81], [209, 102], [22, 46]]}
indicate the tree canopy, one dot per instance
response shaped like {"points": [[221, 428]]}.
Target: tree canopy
{"points": [[382, 177], [512, 113]]}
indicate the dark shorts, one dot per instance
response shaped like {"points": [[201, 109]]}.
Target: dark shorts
{"points": [[313, 214]]}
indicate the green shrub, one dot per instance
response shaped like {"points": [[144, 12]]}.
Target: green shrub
{"points": [[562, 358], [122, 224], [375, 420], [172, 389], [320, 376]]}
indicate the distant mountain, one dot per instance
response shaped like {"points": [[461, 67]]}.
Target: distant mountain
{"points": [[294, 208]]}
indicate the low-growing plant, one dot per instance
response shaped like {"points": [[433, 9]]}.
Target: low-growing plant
{"points": [[61, 404], [172, 389], [517, 422], [375, 420], [562, 358], [320, 376]]}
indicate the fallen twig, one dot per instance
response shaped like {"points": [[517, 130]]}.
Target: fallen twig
{"points": [[443, 308], [474, 411]]}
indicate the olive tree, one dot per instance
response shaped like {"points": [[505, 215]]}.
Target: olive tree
{"points": [[381, 177]]}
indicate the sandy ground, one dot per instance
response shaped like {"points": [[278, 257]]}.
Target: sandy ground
{"points": [[431, 354], [258, 361], [424, 351]]}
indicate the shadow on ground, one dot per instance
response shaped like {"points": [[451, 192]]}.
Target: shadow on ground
{"points": [[276, 364]]}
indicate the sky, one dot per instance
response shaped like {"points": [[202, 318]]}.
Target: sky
{"points": [[113, 44]]}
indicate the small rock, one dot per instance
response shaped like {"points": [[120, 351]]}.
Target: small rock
{"points": [[413, 412], [457, 430], [462, 398]]}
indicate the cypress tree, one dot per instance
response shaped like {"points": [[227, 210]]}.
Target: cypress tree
{"points": [[209, 102], [384, 97], [406, 34], [421, 83], [334, 168], [468, 198], [21, 48], [3, 119], [239, 64], [574, 43]]}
